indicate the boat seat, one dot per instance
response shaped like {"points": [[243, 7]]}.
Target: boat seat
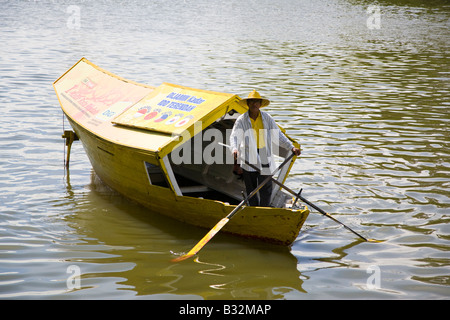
{"points": [[193, 189]]}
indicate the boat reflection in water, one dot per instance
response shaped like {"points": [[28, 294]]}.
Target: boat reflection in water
{"points": [[134, 255]]}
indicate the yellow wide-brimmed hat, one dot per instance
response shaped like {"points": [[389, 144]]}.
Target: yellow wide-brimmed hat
{"points": [[255, 95]]}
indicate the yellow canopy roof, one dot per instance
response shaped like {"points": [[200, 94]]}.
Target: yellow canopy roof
{"points": [[117, 109]]}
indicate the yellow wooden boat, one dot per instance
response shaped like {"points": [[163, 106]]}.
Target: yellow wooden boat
{"points": [[161, 147]]}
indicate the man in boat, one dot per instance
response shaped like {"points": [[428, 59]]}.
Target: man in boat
{"points": [[251, 141]]}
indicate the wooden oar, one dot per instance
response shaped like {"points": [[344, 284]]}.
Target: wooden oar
{"points": [[299, 196], [225, 220]]}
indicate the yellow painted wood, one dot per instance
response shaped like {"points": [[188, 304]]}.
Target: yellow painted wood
{"points": [[122, 168], [89, 96]]}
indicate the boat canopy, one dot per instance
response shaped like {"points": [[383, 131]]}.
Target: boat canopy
{"points": [[166, 124], [138, 115]]}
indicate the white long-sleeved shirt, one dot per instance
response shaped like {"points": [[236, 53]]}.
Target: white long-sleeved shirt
{"points": [[243, 140]]}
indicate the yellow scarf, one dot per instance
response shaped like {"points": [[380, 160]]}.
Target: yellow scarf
{"points": [[258, 126]]}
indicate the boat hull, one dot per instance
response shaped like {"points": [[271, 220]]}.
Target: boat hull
{"points": [[123, 169]]}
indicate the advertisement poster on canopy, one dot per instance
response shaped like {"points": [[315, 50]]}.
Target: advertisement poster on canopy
{"points": [[172, 109], [93, 97]]}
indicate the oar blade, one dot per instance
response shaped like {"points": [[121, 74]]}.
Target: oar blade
{"points": [[375, 241], [203, 242], [183, 257]]}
